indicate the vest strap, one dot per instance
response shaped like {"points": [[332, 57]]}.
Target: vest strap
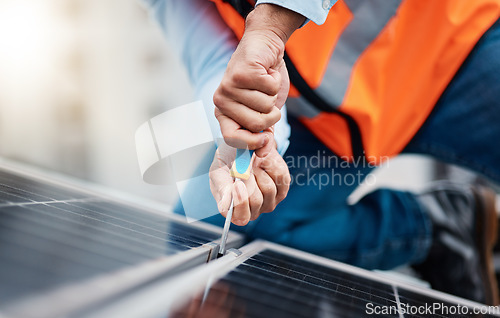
{"points": [[322, 105]]}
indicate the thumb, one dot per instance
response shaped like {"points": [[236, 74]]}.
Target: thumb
{"points": [[280, 75], [268, 147]]}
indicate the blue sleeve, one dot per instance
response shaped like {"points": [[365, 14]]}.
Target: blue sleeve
{"points": [[314, 10], [205, 44]]}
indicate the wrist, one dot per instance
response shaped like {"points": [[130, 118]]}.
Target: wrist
{"points": [[277, 21]]}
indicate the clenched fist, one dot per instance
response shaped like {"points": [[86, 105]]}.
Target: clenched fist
{"points": [[255, 84], [267, 186]]}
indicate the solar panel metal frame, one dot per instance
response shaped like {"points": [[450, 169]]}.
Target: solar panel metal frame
{"points": [[163, 297], [74, 298]]}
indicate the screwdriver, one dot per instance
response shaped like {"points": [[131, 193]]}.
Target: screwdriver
{"points": [[240, 171]]}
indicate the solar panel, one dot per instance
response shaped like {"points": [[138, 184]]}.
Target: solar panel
{"points": [[65, 251], [268, 280], [53, 236]]}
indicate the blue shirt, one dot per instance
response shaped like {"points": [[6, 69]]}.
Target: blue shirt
{"points": [[314, 10]]}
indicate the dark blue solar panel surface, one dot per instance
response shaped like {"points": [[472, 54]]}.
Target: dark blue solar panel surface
{"points": [[274, 284], [51, 235]]}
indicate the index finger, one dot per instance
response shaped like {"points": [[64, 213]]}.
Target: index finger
{"points": [[238, 137]]}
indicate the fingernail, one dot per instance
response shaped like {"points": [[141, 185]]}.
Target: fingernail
{"points": [[240, 222]]}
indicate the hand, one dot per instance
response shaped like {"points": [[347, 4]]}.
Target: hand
{"points": [[256, 84], [267, 186]]}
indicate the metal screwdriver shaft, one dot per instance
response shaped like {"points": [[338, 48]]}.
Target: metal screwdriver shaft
{"points": [[240, 171], [227, 224]]}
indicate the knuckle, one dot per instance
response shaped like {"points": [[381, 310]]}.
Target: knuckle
{"points": [[275, 88], [218, 99], [268, 208], [256, 197], [276, 114], [256, 203], [257, 125], [228, 140], [274, 100], [282, 170], [211, 175], [281, 196], [213, 189], [271, 118], [268, 164], [240, 78], [226, 132], [269, 105], [268, 188], [283, 181], [225, 87]]}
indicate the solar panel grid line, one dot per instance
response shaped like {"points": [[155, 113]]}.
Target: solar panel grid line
{"points": [[339, 288], [302, 303], [422, 300], [344, 295], [187, 284], [97, 231], [140, 232], [80, 233], [5, 205], [398, 301], [332, 289], [277, 279], [119, 210], [104, 227], [319, 275], [276, 292], [156, 227], [14, 192], [111, 224], [34, 184], [252, 287], [372, 275], [42, 178], [118, 222], [434, 295], [72, 240], [68, 187], [94, 191], [45, 186], [60, 250]]}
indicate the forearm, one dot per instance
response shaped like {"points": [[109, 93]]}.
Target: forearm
{"points": [[280, 21]]}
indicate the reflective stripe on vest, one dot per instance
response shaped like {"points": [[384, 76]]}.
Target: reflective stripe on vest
{"points": [[385, 63]]}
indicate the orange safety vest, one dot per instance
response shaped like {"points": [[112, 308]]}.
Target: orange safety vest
{"points": [[382, 64]]}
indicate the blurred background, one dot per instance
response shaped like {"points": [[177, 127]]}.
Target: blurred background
{"points": [[78, 77]]}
